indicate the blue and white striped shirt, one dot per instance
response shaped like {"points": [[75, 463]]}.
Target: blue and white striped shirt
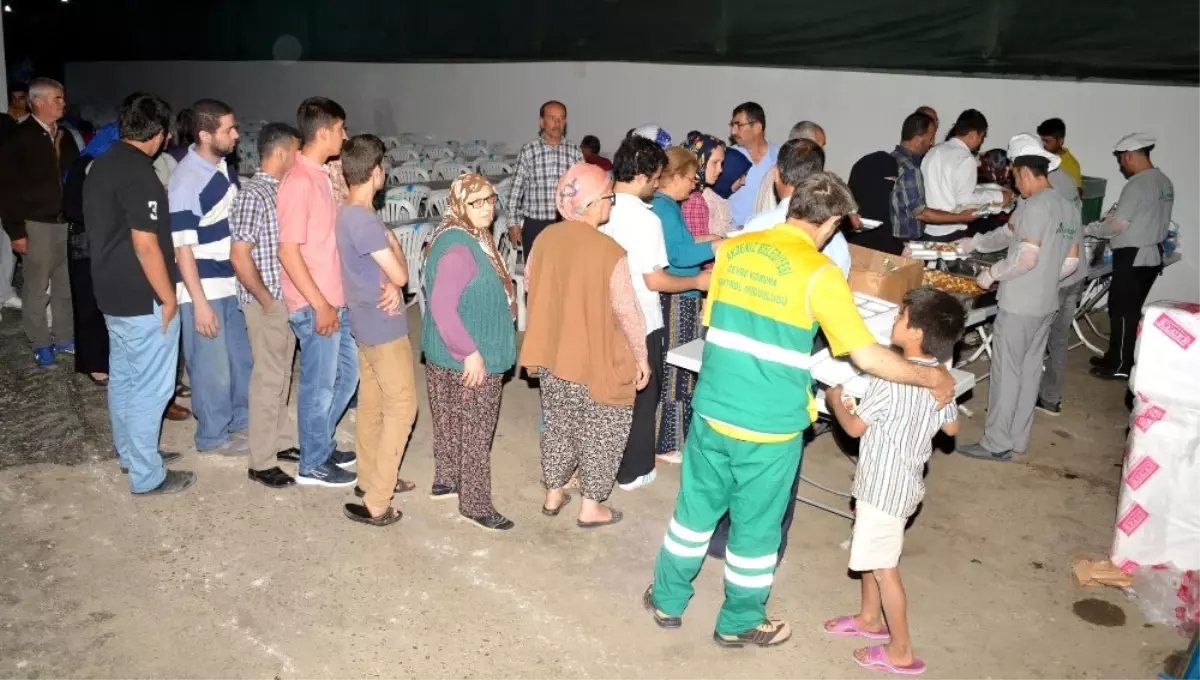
{"points": [[201, 195]]}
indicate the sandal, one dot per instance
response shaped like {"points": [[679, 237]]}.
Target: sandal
{"points": [[360, 514], [877, 660], [183, 391], [402, 486], [615, 517], [553, 512], [845, 626], [98, 382]]}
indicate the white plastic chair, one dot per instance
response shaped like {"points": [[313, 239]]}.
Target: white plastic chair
{"points": [[436, 204], [406, 174], [396, 210], [495, 168], [450, 170], [412, 242], [516, 270], [503, 187], [473, 151], [415, 194], [439, 152], [389, 143], [404, 153]]}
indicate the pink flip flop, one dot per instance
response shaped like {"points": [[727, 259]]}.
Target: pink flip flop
{"points": [[846, 627], [877, 660]]}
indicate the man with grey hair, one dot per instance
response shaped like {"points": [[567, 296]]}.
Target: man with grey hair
{"points": [[806, 129], [31, 182]]}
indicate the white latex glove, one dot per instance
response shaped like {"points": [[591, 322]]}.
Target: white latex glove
{"points": [[964, 246], [985, 280]]}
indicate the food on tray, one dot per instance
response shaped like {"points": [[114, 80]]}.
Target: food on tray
{"points": [[942, 247], [951, 283]]}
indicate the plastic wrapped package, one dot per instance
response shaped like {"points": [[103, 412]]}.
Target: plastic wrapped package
{"points": [[1158, 516], [1167, 367], [1168, 596]]}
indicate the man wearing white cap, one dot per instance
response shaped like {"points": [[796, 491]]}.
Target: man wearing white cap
{"points": [[1136, 228], [1043, 248]]}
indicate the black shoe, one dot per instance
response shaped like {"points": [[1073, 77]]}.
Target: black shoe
{"points": [[402, 486], [441, 491], [290, 454], [494, 521], [1106, 373], [168, 457], [1100, 362], [661, 618], [327, 474], [360, 514], [174, 482], [768, 634], [1048, 408], [274, 478], [343, 459]]}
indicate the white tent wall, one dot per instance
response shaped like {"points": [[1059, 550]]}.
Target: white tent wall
{"points": [[861, 112]]}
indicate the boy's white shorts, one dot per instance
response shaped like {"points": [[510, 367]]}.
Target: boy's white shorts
{"points": [[877, 540]]}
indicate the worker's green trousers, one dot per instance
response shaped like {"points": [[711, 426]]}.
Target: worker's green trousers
{"points": [[752, 482]]}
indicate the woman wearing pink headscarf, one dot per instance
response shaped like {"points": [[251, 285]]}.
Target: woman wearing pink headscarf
{"points": [[586, 341]]}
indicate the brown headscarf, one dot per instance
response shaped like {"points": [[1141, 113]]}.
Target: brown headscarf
{"points": [[456, 218]]}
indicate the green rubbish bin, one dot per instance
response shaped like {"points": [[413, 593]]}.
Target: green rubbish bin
{"points": [[1093, 198]]}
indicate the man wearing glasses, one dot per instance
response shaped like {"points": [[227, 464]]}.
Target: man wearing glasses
{"points": [[540, 164], [748, 129]]}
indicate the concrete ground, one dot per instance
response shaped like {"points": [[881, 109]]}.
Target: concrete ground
{"points": [[230, 579]]}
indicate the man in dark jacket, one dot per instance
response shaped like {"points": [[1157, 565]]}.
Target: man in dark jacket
{"points": [[33, 161]]}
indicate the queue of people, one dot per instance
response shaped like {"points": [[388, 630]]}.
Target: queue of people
{"points": [[743, 244]]}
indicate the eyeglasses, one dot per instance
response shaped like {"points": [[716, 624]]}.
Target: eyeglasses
{"points": [[738, 125], [486, 200]]}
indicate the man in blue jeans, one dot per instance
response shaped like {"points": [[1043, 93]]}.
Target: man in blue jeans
{"points": [[133, 268], [312, 291], [216, 348]]}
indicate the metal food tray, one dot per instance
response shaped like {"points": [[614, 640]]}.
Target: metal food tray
{"points": [[970, 267]]}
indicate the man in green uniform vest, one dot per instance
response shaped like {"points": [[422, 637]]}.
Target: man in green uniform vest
{"points": [[770, 291]]}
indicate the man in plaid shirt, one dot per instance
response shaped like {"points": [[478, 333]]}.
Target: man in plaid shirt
{"points": [[254, 227], [541, 163], [908, 209]]}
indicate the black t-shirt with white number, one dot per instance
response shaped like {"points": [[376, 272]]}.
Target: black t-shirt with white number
{"points": [[122, 193]]}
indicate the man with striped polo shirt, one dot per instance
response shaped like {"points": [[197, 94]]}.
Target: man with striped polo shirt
{"points": [[770, 291], [215, 346]]}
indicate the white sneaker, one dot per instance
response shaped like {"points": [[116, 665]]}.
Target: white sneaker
{"points": [[645, 479], [13, 302]]}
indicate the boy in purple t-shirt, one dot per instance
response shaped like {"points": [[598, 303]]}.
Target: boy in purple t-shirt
{"points": [[373, 274]]}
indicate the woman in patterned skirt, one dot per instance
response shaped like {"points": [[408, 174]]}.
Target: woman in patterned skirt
{"points": [[586, 341], [469, 341], [681, 311]]}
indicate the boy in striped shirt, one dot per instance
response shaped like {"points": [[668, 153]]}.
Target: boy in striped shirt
{"points": [[897, 424], [216, 348]]}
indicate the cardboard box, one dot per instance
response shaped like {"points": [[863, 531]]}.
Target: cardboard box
{"points": [[883, 275]]}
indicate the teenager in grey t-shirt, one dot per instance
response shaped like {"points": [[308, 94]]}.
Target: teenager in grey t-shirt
{"points": [[1049, 218], [361, 232]]}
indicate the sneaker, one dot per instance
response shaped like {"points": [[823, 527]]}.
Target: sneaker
{"points": [[65, 347], [327, 474], [44, 356], [767, 634], [640, 481], [168, 457], [1106, 373], [1048, 408], [343, 459], [13, 302], [661, 618], [174, 482]]}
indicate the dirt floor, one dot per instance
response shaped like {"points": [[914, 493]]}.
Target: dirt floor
{"points": [[231, 579]]}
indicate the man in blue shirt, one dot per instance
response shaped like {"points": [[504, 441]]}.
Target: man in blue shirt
{"points": [[748, 128], [797, 159]]}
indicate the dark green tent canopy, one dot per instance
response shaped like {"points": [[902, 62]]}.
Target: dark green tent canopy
{"points": [[1146, 40]]}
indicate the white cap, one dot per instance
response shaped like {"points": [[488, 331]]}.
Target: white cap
{"points": [[1134, 141], [655, 134], [1026, 144]]}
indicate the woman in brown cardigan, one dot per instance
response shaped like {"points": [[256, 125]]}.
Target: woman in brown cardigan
{"points": [[586, 340]]}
